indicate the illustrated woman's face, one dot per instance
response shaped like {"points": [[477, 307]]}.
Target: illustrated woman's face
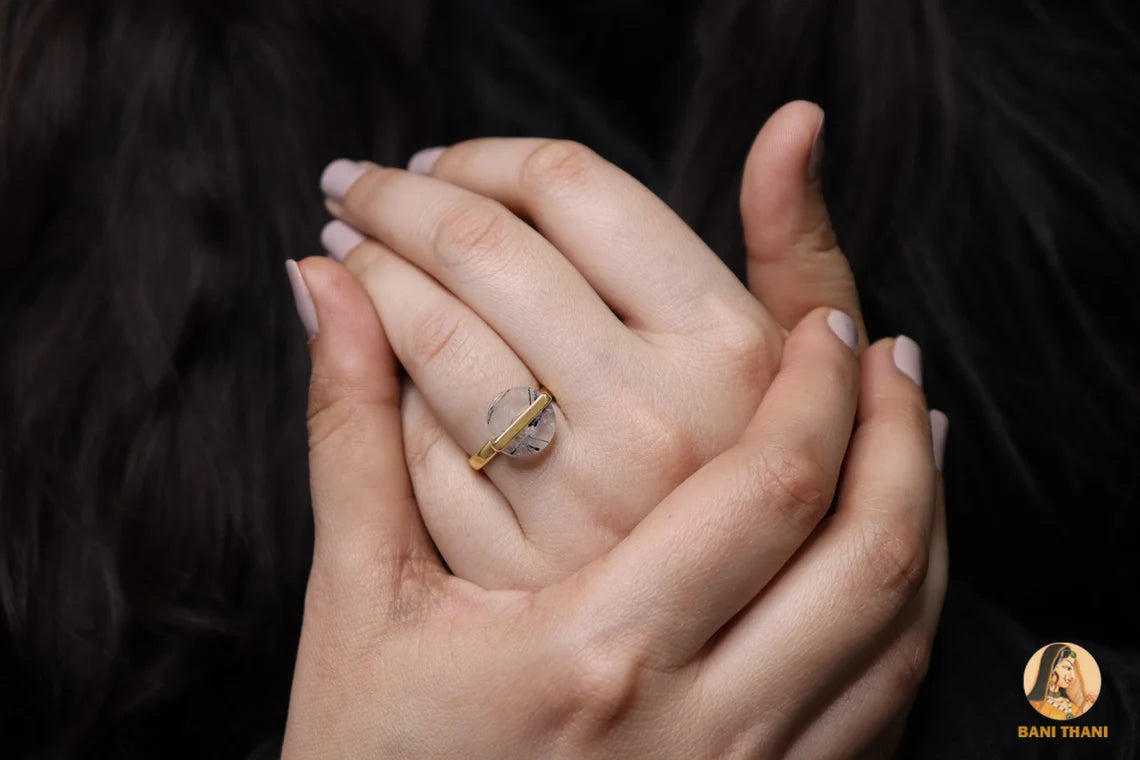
{"points": [[1065, 673]]}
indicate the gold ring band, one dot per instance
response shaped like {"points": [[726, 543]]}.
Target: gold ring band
{"points": [[492, 447]]}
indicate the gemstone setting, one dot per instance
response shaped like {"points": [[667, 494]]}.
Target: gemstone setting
{"points": [[507, 407]]}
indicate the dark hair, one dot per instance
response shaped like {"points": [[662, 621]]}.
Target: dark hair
{"points": [[158, 163], [984, 180]]}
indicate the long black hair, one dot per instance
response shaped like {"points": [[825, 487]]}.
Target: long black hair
{"points": [[158, 162], [984, 179], [157, 165]]}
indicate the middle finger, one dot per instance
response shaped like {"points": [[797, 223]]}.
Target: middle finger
{"points": [[632, 248]]}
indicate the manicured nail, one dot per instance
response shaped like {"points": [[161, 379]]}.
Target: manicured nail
{"points": [[306, 309], [339, 176], [844, 327], [422, 162], [338, 239], [815, 159], [908, 358], [939, 426]]}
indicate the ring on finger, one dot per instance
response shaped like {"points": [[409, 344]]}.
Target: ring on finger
{"points": [[520, 422]]}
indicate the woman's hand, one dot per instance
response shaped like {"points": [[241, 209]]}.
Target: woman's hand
{"points": [[697, 636], [655, 352]]}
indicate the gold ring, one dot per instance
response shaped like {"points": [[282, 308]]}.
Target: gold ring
{"points": [[529, 426]]}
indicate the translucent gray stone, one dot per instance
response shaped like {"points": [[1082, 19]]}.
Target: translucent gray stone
{"points": [[506, 408]]}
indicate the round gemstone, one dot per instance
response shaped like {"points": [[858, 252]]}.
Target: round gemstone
{"points": [[506, 408]]}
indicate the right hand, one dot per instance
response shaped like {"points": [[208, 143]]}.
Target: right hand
{"points": [[693, 637]]}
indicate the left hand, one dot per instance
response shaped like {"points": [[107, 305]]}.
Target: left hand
{"points": [[654, 351]]}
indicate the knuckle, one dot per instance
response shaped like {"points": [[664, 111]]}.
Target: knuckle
{"points": [[741, 340], [657, 436], [335, 418], [819, 236], [471, 230], [896, 555], [437, 337], [556, 164], [603, 683], [795, 483]]}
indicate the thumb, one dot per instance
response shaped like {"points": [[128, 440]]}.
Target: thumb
{"points": [[794, 261], [368, 529]]}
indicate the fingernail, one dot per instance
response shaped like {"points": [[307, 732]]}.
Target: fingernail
{"points": [[908, 358], [306, 309], [422, 162], [939, 426], [815, 159], [338, 239], [844, 327], [339, 176]]}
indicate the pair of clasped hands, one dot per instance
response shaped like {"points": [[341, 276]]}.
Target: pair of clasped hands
{"points": [[666, 580]]}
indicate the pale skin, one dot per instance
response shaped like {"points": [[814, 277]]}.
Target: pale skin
{"points": [[644, 610]]}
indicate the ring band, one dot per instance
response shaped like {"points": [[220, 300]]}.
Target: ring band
{"points": [[530, 416]]}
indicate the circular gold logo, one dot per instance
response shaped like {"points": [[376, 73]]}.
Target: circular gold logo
{"points": [[1062, 681]]}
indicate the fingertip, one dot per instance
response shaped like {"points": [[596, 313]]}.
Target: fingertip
{"points": [[826, 321], [424, 161], [908, 358], [352, 344], [886, 388], [822, 341], [339, 176], [783, 147], [339, 239], [844, 328], [796, 117]]}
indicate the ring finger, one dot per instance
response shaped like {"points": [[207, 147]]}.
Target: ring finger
{"points": [[516, 281], [454, 358]]}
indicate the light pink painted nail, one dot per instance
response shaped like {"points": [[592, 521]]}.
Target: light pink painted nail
{"points": [[422, 162], [908, 358], [939, 427], [815, 158], [306, 309], [844, 327], [339, 176], [339, 238]]}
